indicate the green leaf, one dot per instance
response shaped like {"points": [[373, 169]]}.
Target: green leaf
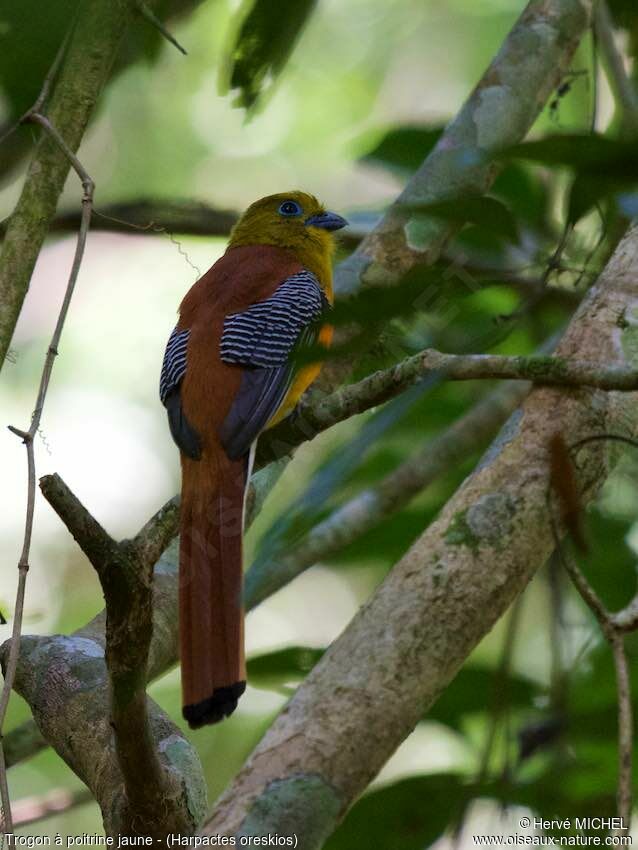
{"points": [[482, 211], [405, 148], [603, 166], [475, 690], [267, 33], [624, 12], [35, 31], [312, 505], [387, 541], [272, 670], [524, 193], [581, 152], [609, 565], [408, 815], [589, 189]]}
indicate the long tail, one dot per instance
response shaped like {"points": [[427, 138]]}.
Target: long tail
{"points": [[210, 588]]}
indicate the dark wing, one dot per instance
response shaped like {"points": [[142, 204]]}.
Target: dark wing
{"points": [[261, 339], [173, 370]]}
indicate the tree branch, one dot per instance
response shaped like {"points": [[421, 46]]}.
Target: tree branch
{"points": [[157, 216], [28, 435], [154, 21], [625, 733], [621, 85], [407, 643], [613, 626], [125, 571], [98, 30], [374, 504], [552, 371], [319, 414], [498, 113], [193, 218], [30, 810]]}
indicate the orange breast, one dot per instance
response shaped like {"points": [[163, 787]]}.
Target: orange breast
{"points": [[302, 380]]}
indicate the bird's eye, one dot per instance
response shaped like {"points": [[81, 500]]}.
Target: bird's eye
{"points": [[289, 208]]}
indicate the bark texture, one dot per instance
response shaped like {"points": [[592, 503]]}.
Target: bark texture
{"points": [[65, 681], [498, 113]]}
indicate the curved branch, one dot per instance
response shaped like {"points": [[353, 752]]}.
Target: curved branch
{"points": [[125, 571]]}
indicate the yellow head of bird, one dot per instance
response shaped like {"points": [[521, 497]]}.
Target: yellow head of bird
{"points": [[294, 220]]}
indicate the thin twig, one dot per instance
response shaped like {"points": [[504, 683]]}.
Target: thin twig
{"points": [[28, 435], [587, 592], [6, 819], [321, 413], [553, 371], [619, 81], [613, 627], [625, 732], [152, 18]]}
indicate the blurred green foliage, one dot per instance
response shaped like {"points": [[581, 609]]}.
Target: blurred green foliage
{"points": [[604, 168], [264, 41]]}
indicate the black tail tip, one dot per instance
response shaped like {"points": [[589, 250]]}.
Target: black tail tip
{"points": [[213, 709]]}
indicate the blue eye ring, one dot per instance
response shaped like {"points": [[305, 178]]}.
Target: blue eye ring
{"points": [[290, 209]]}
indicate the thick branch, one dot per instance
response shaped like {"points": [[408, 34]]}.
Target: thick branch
{"points": [[127, 585], [65, 681], [498, 113], [98, 546], [150, 797], [405, 646], [98, 31]]}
